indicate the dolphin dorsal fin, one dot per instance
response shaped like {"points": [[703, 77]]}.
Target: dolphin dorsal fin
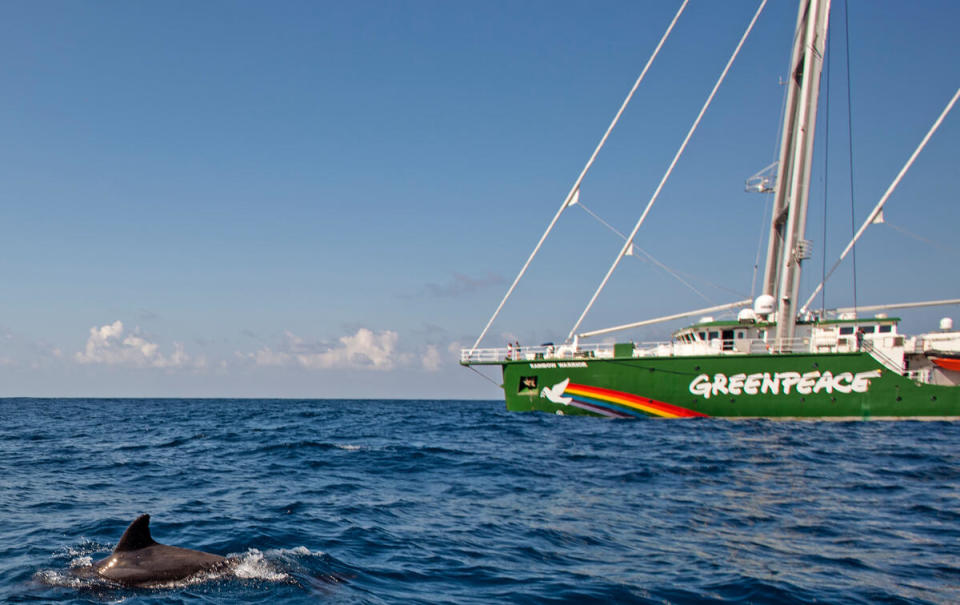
{"points": [[137, 535]]}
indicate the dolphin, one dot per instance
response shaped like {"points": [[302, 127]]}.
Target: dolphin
{"points": [[138, 560]]}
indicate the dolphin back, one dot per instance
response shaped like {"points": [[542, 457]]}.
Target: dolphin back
{"points": [[138, 560]]}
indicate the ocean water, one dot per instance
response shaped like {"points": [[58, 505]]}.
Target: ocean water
{"points": [[462, 502]]}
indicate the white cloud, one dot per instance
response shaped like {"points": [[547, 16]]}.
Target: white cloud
{"points": [[109, 345], [363, 350]]}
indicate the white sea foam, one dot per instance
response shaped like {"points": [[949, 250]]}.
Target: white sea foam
{"points": [[81, 561], [303, 551], [253, 565], [75, 578], [85, 548], [56, 577]]}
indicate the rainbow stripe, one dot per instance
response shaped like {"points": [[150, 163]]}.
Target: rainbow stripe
{"points": [[618, 404]]}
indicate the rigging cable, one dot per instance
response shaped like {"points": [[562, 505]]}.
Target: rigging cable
{"points": [[939, 246], [666, 176], [576, 185], [482, 375], [645, 253]]}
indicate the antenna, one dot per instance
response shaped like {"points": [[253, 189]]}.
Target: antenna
{"points": [[763, 181]]}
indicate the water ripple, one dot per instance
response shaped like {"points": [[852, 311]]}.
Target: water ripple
{"points": [[462, 502]]}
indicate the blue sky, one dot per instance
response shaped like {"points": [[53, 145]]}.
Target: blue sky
{"points": [[318, 199]]}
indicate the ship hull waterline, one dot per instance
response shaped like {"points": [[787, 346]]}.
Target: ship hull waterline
{"points": [[802, 385]]}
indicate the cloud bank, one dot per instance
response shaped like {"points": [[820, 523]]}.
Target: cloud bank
{"points": [[108, 345], [113, 345], [363, 350]]}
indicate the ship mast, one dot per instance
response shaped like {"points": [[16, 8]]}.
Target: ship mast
{"points": [[787, 248]]}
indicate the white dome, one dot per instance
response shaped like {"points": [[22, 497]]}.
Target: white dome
{"points": [[946, 324], [765, 304], [746, 316]]}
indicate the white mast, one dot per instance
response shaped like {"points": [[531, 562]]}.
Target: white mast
{"points": [[787, 247]]}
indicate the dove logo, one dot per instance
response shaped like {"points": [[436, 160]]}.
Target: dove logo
{"points": [[555, 393]]}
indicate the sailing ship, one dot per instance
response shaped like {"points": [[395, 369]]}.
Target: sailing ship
{"points": [[777, 358]]}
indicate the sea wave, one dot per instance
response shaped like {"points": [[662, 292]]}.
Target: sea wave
{"points": [[461, 502]]}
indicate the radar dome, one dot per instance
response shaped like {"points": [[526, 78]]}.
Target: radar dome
{"points": [[765, 304], [946, 324], [746, 316]]}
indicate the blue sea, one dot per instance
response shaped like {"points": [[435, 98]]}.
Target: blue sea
{"points": [[331, 501]]}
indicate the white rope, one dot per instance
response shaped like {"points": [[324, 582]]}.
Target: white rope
{"points": [[649, 256], [583, 173], [666, 176], [883, 200]]}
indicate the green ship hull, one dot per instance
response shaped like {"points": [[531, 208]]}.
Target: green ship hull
{"points": [[836, 386]]}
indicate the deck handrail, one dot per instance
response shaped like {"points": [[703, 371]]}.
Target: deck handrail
{"points": [[715, 346]]}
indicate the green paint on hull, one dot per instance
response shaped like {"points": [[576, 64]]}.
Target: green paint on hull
{"points": [[668, 380]]}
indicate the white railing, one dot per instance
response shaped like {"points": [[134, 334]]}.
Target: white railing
{"points": [[536, 353], [888, 349], [716, 346]]}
